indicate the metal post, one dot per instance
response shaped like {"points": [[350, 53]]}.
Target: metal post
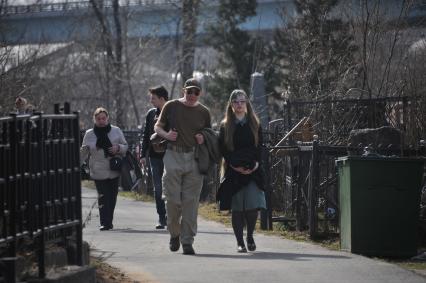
{"points": [[288, 104], [41, 201], [56, 108], [77, 183], [67, 108], [404, 122], [13, 139], [300, 220], [266, 215], [312, 192]]}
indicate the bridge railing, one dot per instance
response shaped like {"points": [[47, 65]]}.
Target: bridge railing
{"points": [[76, 5], [40, 187]]}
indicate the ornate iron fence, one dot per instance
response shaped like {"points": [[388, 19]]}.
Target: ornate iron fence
{"points": [[302, 179], [40, 186], [334, 119], [304, 185]]}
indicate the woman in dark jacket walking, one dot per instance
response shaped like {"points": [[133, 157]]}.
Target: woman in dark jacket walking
{"points": [[241, 189]]}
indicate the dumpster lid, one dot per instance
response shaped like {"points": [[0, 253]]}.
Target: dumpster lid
{"points": [[380, 158]]}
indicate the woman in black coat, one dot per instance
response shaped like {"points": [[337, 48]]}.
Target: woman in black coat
{"points": [[241, 189]]}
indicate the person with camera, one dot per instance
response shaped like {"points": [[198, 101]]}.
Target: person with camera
{"points": [[105, 146], [154, 149]]}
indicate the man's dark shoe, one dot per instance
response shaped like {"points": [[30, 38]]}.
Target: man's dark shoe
{"points": [[159, 226], [188, 249], [104, 228], [174, 244], [162, 223]]}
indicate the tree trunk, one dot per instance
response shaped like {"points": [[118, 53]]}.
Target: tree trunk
{"points": [[120, 99], [114, 58], [189, 15]]}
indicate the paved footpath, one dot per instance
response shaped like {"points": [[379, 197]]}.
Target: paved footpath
{"points": [[142, 253]]}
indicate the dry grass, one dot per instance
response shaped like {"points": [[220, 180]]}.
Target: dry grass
{"points": [[88, 184], [136, 196], [209, 211], [411, 265], [106, 273]]}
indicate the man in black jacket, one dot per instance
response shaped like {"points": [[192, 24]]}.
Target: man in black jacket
{"points": [[159, 96]]}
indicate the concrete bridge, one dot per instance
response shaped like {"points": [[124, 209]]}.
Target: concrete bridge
{"points": [[74, 21]]}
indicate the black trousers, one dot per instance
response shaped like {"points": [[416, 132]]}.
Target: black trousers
{"points": [[107, 198]]}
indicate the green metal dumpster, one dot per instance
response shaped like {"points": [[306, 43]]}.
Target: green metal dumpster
{"points": [[379, 205]]}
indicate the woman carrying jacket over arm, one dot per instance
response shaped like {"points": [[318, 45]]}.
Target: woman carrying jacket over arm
{"points": [[240, 140], [100, 144]]}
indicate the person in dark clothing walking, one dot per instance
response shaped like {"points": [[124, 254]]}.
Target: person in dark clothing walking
{"points": [[159, 97], [241, 190]]}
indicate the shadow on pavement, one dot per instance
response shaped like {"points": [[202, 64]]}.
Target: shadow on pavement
{"points": [[130, 230], [216, 233], [102, 255], [273, 256]]}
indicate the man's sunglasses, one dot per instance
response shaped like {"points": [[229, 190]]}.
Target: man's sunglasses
{"points": [[193, 91]]}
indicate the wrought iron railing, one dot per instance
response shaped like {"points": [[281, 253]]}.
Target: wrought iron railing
{"points": [[40, 187], [334, 119], [77, 5], [302, 175]]}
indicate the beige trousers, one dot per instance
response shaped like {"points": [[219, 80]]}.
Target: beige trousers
{"points": [[182, 185]]}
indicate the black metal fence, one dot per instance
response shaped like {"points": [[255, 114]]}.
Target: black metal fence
{"points": [[304, 184], [334, 119], [302, 178], [40, 187]]}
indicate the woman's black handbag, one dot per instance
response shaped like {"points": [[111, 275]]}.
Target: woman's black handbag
{"points": [[115, 163]]}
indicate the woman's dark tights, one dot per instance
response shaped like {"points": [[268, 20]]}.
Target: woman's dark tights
{"points": [[239, 219]]}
